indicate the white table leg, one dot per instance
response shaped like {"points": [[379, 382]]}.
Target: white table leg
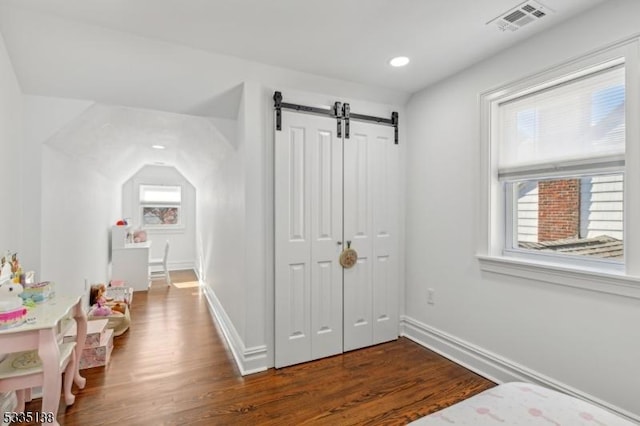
{"points": [[69, 374], [81, 330], [50, 356]]}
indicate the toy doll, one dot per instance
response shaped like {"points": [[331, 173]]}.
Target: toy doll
{"points": [[98, 301]]}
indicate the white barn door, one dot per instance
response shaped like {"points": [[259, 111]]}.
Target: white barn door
{"points": [[370, 223], [308, 229], [322, 309]]}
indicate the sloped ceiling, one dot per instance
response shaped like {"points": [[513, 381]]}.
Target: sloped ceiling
{"points": [[74, 48], [117, 141], [191, 57]]}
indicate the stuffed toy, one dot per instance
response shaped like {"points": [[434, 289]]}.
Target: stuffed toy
{"points": [[10, 296], [139, 236], [12, 313], [119, 307]]}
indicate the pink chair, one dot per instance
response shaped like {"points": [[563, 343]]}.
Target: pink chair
{"points": [[21, 371]]}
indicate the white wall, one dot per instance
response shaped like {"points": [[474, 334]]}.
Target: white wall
{"points": [[222, 241], [575, 339], [43, 117], [10, 140], [257, 225], [77, 208], [64, 236], [182, 251], [11, 137], [41, 192]]}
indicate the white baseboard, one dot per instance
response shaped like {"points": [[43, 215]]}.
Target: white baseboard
{"points": [[249, 360], [176, 266], [181, 265], [490, 365]]}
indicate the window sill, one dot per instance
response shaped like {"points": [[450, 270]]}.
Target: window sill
{"points": [[159, 230], [599, 281]]}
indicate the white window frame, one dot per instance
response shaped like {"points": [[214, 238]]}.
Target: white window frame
{"points": [[160, 204], [590, 274]]}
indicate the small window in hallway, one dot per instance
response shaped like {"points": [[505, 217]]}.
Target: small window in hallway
{"points": [[160, 205]]}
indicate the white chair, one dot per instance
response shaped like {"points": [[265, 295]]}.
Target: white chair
{"points": [[162, 262], [21, 371]]}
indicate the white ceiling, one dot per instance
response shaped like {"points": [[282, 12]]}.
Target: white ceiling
{"points": [[349, 40], [141, 60]]}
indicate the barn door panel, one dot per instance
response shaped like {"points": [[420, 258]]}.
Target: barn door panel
{"points": [[308, 229], [358, 327], [385, 223], [371, 224]]}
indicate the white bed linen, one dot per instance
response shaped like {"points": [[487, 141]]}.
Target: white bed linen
{"points": [[523, 404]]}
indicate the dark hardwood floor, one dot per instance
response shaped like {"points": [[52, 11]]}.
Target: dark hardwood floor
{"points": [[173, 368]]}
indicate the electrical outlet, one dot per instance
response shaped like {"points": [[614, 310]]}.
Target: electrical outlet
{"points": [[430, 296]]}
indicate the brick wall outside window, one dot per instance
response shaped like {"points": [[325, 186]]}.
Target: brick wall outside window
{"points": [[559, 209]]}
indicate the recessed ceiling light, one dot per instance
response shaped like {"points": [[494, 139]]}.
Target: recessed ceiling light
{"points": [[158, 146], [399, 61]]}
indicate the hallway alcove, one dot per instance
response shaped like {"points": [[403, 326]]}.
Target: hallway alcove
{"points": [[92, 156]]}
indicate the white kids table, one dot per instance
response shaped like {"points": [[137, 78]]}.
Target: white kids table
{"points": [[43, 329]]}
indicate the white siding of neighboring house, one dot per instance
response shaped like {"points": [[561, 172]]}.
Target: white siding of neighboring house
{"points": [[528, 214], [601, 206]]}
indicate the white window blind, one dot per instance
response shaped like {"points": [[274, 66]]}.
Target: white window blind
{"points": [[568, 128], [160, 194]]}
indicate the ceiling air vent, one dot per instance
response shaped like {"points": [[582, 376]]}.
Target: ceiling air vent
{"points": [[519, 16]]}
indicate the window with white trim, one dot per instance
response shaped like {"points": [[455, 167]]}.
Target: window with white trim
{"points": [[160, 206], [561, 173], [561, 164]]}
